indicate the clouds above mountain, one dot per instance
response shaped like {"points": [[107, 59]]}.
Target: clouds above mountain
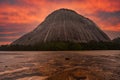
{"points": [[21, 16]]}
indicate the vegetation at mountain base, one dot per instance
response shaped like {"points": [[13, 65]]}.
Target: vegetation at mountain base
{"points": [[62, 46]]}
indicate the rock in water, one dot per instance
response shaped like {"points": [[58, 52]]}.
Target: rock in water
{"points": [[64, 25]]}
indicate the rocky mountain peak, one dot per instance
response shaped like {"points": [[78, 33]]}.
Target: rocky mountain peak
{"points": [[64, 25]]}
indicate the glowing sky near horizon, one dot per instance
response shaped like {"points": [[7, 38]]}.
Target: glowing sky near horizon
{"points": [[18, 17]]}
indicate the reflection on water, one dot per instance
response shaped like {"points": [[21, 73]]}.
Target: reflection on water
{"points": [[60, 65]]}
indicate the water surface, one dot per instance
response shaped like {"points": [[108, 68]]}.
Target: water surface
{"points": [[39, 65]]}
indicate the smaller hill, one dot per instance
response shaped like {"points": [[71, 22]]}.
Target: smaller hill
{"points": [[116, 40]]}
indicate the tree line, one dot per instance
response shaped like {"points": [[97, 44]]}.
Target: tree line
{"points": [[58, 46]]}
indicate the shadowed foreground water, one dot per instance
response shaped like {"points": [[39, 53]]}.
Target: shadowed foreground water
{"points": [[60, 65]]}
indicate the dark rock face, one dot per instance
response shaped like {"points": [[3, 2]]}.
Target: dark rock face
{"points": [[64, 25]]}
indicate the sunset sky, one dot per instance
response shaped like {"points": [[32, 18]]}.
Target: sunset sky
{"points": [[18, 17]]}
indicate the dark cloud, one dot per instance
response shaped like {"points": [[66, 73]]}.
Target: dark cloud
{"points": [[5, 15], [6, 39], [112, 18], [11, 2], [7, 29], [10, 29], [9, 14], [63, 1], [8, 34], [106, 15], [13, 33]]}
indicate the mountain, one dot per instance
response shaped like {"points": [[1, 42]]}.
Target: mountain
{"points": [[116, 40], [64, 25]]}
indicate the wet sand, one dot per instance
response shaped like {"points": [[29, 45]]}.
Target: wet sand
{"points": [[60, 65]]}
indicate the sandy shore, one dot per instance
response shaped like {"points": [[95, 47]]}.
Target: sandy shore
{"points": [[60, 65]]}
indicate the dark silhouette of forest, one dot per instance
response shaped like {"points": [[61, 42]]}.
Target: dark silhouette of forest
{"points": [[57, 46]]}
